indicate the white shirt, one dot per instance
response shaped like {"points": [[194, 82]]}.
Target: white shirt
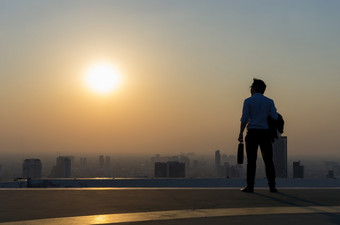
{"points": [[256, 110]]}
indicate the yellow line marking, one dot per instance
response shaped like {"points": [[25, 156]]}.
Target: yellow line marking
{"points": [[175, 214]]}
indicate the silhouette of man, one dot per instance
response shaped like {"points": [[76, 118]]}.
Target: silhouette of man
{"points": [[256, 110]]}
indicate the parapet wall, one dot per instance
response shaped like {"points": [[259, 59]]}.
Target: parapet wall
{"points": [[166, 183]]}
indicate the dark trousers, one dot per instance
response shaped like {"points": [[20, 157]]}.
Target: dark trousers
{"points": [[262, 138]]}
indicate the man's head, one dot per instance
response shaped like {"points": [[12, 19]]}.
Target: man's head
{"points": [[258, 86]]}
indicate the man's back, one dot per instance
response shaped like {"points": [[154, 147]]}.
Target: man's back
{"points": [[256, 110]]}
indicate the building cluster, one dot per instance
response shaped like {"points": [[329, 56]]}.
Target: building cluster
{"points": [[333, 168], [32, 168], [174, 166], [172, 169], [185, 166], [229, 168], [217, 165], [225, 166]]}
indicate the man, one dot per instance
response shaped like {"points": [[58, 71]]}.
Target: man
{"points": [[256, 110]]}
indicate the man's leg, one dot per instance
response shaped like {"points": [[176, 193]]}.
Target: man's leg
{"points": [[267, 154], [251, 150]]}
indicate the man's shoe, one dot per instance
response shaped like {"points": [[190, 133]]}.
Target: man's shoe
{"points": [[248, 189], [273, 190]]}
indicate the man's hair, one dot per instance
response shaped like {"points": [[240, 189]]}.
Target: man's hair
{"points": [[259, 86]]}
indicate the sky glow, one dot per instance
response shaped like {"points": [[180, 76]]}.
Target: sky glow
{"points": [[187, 67]]}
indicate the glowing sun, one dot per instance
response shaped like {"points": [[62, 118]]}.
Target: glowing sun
{"points": [[102, 78]]}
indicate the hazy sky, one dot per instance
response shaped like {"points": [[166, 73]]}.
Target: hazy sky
{"points": [[186, 67]]}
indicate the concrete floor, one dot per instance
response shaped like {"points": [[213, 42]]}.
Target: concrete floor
{"points": [[169, 206]]}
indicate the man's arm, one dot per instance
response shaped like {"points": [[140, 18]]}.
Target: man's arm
{"points": [[242, 127], [273, 111], [244, 120]]}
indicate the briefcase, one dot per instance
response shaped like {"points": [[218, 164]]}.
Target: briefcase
{"points": [[240, 153]]}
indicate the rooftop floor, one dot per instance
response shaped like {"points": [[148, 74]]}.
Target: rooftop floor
{"points": [[148, 206]]}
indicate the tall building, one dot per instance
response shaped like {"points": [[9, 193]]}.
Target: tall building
{"points": [[170, 169], [195, 169], [186, 161], [160, 169], [83, 169], [83, 162], [62, 169], [31, 168], [101, 161], [219, 171], [298, 170], [175, 169], [107, 161], [217, 160], [280, 156], [330, 174]]}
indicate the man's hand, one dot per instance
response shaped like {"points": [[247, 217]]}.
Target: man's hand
{"points": [[240, 137]]}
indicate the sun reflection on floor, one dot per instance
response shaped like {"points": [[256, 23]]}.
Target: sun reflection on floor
{"points": [[177, 214], [100, 219]]}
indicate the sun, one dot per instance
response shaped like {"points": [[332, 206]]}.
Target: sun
{"points": [[102, 78]]}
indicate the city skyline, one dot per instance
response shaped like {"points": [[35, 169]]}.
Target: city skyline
{"points": [[196, 166], [186, 67]]}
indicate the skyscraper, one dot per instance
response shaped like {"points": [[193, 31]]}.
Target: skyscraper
{"points": [[217, 159], [186, 161], [107, 161], [160, 169], [101, 161], [298, 170], [280, 156], [31, 168], [330, 174], [62, 169], [83, 162], [218, 167], [176, 169]]}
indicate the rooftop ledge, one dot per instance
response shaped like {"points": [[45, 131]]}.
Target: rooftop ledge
{"points": [[167, 183]]}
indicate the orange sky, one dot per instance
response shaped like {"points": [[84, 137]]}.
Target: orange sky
{"points": [[186, 69]]}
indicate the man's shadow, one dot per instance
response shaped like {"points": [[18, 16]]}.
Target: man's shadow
{"points": [[333, 217]]}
